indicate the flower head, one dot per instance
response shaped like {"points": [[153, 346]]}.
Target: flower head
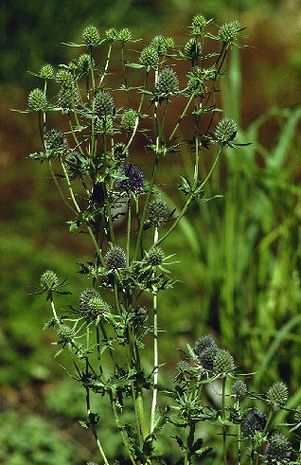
{"points": [[37, 100], [277, 395], [91, 36], [134, 178], [115, 258]]}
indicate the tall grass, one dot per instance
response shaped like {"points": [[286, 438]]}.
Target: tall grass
{"points": [[248, 241]]}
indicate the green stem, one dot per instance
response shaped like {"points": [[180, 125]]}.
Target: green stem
{"points": [[120, 427], [223, 417], [128, 235]]}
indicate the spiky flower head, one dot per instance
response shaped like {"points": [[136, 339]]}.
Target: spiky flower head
{"points": [[155, 256], [65, 333], [124, 35], [253, 422], [104, 104], [49, 281], [279, 450], [149, 57], [47, 72], [198, 25], [206, 349], [128, 120], [225, 131], [134, 178], [207, 358], [162, 44], [91, 36], [68, 97], [197, 78], [167, 84], [277, 395], [84, 62], [112, 34], [239, 389], [139, 317], [120, 151], [65, 78], [158, 212], [37, 100], [228, 32], [115, 258], [224, 362], [192, 49], [55, 140], [183, 366], [203, 343], [91, 304]]}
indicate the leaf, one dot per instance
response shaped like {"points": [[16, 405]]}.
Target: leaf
{"points": [[180, 442], [203, 451], [134, 65]]}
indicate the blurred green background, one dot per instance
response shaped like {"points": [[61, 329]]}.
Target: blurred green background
{"points": [[240, 254]]}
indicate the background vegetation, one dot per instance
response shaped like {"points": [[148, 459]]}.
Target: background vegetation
{"points": [[240, 254]]}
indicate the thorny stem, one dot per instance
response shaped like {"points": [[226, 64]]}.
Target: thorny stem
{"points": [[128, 235], [106, 66], [93, 428]]}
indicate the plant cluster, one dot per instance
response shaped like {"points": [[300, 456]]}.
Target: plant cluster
{"points": [[91, 160]]}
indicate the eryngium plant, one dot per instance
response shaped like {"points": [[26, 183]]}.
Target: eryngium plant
{"points": [[91, 150]]}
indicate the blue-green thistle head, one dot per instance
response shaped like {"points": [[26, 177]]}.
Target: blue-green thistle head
{"points": [[162, 44], [115, 258], [158, 212], [167, 84], [91, 36], [104, 104], [47, 72], [128, 120], [49, 281], [224, 363], [149, 57], [37, 100], [228, 32], [277, 395], [279, 450], [225, 132], [134, 179], [239, 389], [254, 421]]}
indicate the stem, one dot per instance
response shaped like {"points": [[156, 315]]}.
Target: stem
{"points": [[128, 235], [120, 427], [223, 417], [156, 357], [54, 312], [106, 66], [180, 118]]}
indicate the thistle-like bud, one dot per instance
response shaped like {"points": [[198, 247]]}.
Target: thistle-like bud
{"points": [[115, 258], [277, 395], [149, 57], [47, 72], [228, 32], [68, 97], [49, 281], [65, 333], [225, 131], [158, 212], [112, 34], [91, 36], [253, 422], [239, 389], [124, 35], [91, 304], [183, 366], [198, 25], [139, 317], [37, 100], [128, 120], [207, 358], [224, 362], [162, 44], [55, 140], [192, 49], [134, 178], [167, 84], [120, 151], [155, 256], [104, 104], [279, 450], [65, 78], [204, 343], [84, 62]]}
